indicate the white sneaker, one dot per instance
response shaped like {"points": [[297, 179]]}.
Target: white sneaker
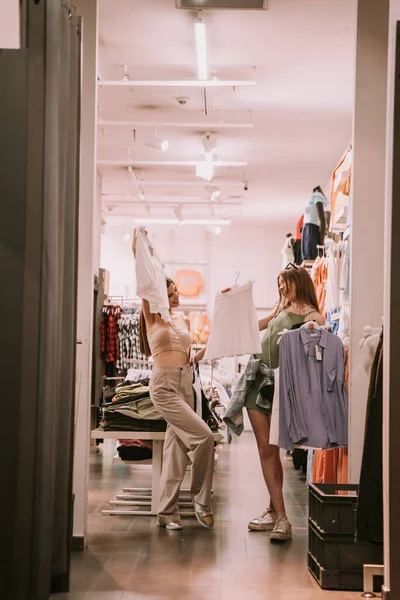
{"points": [[265, 522], [282, 530]]}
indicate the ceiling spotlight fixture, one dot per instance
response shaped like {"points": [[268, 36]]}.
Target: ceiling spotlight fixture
{"points": [[136, 183], [126, 74], [178, 214], [209, 144], [158, 143], [215, 193], [201, 48]]}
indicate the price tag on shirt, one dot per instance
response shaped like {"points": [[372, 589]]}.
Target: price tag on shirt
{"points": [[318, 353]]}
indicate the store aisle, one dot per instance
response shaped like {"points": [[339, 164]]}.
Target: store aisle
{"points": [[133, 559]]}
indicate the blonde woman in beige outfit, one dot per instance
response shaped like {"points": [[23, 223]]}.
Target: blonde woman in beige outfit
{"points": [[188, 438]]}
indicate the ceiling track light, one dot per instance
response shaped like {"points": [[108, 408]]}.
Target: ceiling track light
{"points": [[206, 222], [137, 184], [215, 194], [209, 144], [158, 143], [155, 221], [201, 48], [205, 170], [126, 74]]}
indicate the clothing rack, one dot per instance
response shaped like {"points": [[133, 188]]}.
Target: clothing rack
{"points": [[139, 364], [127, 302]]}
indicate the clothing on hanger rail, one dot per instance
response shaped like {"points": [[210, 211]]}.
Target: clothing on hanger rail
{"points": [[235, 324], [151, 277], [312, 392]]}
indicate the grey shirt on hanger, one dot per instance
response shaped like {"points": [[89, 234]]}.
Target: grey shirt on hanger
{"points": [[313, 397]]}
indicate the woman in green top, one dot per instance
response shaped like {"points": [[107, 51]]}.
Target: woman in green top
{"points": [[297, 304]]}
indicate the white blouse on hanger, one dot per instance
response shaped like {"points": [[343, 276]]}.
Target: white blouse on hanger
{"points": [[287, 252], [151, 277]]}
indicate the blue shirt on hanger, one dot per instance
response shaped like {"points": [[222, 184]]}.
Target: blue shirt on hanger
{"points": [[313, 397]]}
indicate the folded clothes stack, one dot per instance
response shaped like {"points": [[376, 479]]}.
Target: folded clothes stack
{"points": [[130, 390], [132, 410], [135, 450]]}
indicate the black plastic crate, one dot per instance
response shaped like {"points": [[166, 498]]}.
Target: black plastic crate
{"points": [[331, 512], [340, 579], [335, 579], [340, 551]]}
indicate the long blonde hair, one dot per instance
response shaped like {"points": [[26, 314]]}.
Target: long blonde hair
{"points": [[143, 341]]}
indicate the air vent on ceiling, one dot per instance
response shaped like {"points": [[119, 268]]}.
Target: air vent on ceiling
{"points": [[223, 4]]}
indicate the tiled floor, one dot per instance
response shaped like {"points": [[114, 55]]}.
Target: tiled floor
{"points": [[130, 558]]}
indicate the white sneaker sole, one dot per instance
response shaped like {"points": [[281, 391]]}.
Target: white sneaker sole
{"points": [[281, 537], [260, 527], [173, 526]]}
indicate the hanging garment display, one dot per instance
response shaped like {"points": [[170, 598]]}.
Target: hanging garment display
{"points": [[334, 258], [151, 277], [311, 238], [109, 334], [274, 425], [311, 234], [331, 466], [235, 330], [369, 516], [313, 397], [297, 245], [200, 327], [340, 189], [189, 282], [288, 252], [129, 345]]}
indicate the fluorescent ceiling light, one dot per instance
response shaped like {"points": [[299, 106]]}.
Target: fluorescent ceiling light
{"points": [[206, 222], [169, 163], [164, 124], [158, 143], [184, 83], [150, 220], [160, 221], [201, 49]]}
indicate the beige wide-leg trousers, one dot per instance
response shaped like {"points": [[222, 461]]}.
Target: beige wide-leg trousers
{"points": [[187, 438]]}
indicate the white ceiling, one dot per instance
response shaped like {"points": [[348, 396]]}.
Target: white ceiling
{"points": [[301, 106]]}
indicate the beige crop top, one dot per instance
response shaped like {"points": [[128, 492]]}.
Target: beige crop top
{"points": [[169, 339]]}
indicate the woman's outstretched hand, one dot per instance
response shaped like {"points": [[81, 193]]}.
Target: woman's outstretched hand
{"points": [[134, 241]]}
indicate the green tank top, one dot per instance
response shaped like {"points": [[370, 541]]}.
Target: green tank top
{"points": [[283, 320]]}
